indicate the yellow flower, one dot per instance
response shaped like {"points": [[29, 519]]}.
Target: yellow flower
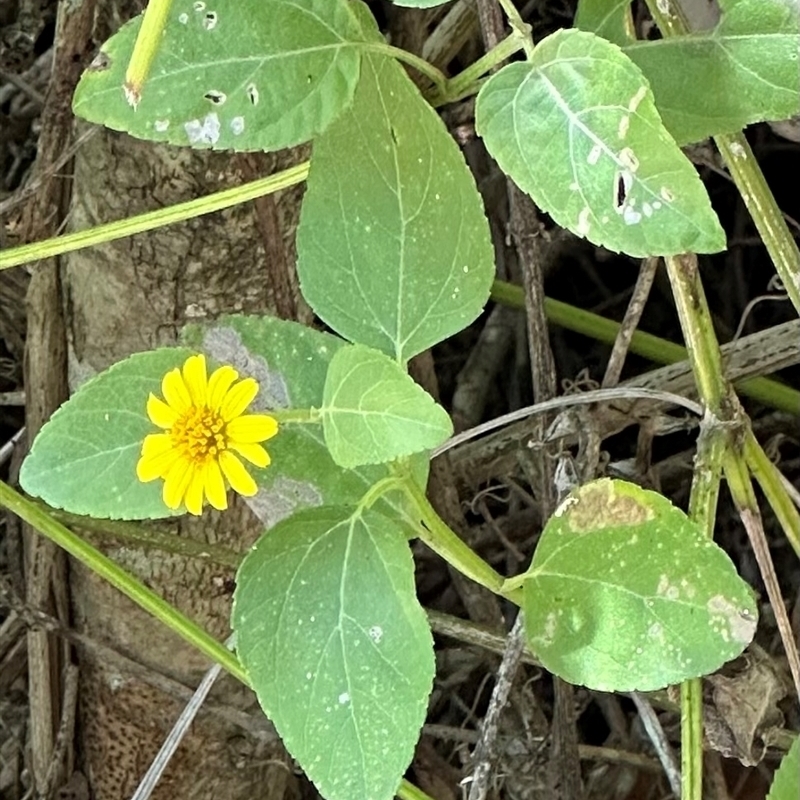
{"points": [[204, 428]]}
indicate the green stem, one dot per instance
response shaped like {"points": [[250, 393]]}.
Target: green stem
{"points": [[769, 479], [698, 333], [436, 76], [146, 537], [153, 219], [295, 416], [706, 361], [770, 392], [763, 208], [407, 791], [692, 739], [105, 568], [464, 84], [740, 485], [703, 499], [444, 541], [518, 25], [145, 48]]}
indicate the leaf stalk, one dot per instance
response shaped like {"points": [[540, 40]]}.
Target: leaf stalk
{"points": [[145, 48], [446, 543]]}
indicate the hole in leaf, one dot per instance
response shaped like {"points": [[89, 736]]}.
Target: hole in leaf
{"points": [[210, 21], [101, 62], [621, 192], [252, 93], [215, 97]]}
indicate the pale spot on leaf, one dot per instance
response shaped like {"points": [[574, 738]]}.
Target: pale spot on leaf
{"points": [[637, 98], [583, 221], [599, 506], [740, 623], [628, 159], [205, 132]]}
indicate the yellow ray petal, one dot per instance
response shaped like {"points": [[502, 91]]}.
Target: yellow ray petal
{"points": [[175, 392], [155, 462], [177, 482], [155, 443], [238, 398], [238, 477], [254, 453], [194, 494], [194, 376], [214, 485], [160, 413], [251, 428], [218, 385]]}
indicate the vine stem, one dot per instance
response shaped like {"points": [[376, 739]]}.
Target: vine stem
{"points": [[105, 568], [706, 361], [728, 443], [436, 76], [653, 348], [407, 791], [769, 479], [518, 25], [763, 208], [151, 220], [744, 498], [464, 84], [446, 543]]}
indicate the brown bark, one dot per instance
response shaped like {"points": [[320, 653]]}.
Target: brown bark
{"points": [[130, 296], [135, 295]]}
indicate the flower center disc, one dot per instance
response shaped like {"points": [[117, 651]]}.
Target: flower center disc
{"points": [[200, 433]]}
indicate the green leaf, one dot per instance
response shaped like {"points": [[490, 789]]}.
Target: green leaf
{"points": [[610, 19], [576, 128], [290, 362], [84, 458], [393, 246], [232, 74], [744, 71], [419, 3], [337, 647], [786, 783], [373, 412], [626, 593]]}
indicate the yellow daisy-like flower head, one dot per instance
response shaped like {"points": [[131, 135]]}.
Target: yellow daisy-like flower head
{"points": [[205, 430]]}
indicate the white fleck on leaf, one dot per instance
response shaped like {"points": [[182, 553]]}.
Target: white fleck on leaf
{"points": [[550, 122], [205, 132]]}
